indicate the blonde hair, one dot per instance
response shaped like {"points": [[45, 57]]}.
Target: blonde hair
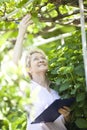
{"points": [[29, 54]]}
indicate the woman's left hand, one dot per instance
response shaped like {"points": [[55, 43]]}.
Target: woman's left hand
{"points": [[65, 111]]}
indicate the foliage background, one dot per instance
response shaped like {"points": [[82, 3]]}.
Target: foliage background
{"points": [[66, 68]]}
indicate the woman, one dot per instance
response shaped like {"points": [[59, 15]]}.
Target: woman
{"points": [[41, 94]]}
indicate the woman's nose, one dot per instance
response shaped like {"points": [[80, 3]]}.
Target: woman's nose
{"points": [[41, 60]]}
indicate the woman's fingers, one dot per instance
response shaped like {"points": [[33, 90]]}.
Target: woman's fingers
{"points": [[64, 111], [67, 108], [26, 19], [28, 16], [29, 22]]}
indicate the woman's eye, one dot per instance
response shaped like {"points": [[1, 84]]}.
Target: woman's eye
{"points": [[35, 58], [43, 58]]}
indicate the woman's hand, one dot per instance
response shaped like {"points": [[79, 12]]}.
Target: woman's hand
{"points": [[65, 111], [25, 22]]}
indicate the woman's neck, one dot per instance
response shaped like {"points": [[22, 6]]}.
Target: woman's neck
{"points": [[41, 79]]}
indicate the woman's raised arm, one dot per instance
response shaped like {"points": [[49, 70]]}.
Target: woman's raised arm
{"points": [[26, 21]]}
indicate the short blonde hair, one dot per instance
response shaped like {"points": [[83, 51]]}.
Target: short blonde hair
{"points": [[29, 54]]}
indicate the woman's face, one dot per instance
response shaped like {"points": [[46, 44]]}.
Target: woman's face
{"points": [[38, 63]]}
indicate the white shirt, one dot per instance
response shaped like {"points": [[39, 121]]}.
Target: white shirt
{"points": [[41, 99]]}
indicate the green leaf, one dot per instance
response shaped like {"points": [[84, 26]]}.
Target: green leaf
{"points": [[58, 81], [50, 6], [22, 3], [80, 97], [73, 91], [43, 1], [54, 71], [4, 123], [62, 69], [68, 28], [1, 1], [79, 70], [64, 87], [19, 126], [81, 123], [53, 13], [62, 59]]}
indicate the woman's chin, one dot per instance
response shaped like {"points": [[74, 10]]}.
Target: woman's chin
{"points": [[44, 70]]}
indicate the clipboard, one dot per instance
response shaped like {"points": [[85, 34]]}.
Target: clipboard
{"points": [[50, 114]]}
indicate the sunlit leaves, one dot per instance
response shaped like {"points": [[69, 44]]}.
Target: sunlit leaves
{"points": [[65, 9], [68, 28], [50, 6], [67, 71], [1, 1], [43, 1], [4, 37], [11, 96], [53, 13], [4, 124], [21, 3]]}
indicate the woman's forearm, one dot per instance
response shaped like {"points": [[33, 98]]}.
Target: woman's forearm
{"points": [[26, 21], [18, 48]]}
